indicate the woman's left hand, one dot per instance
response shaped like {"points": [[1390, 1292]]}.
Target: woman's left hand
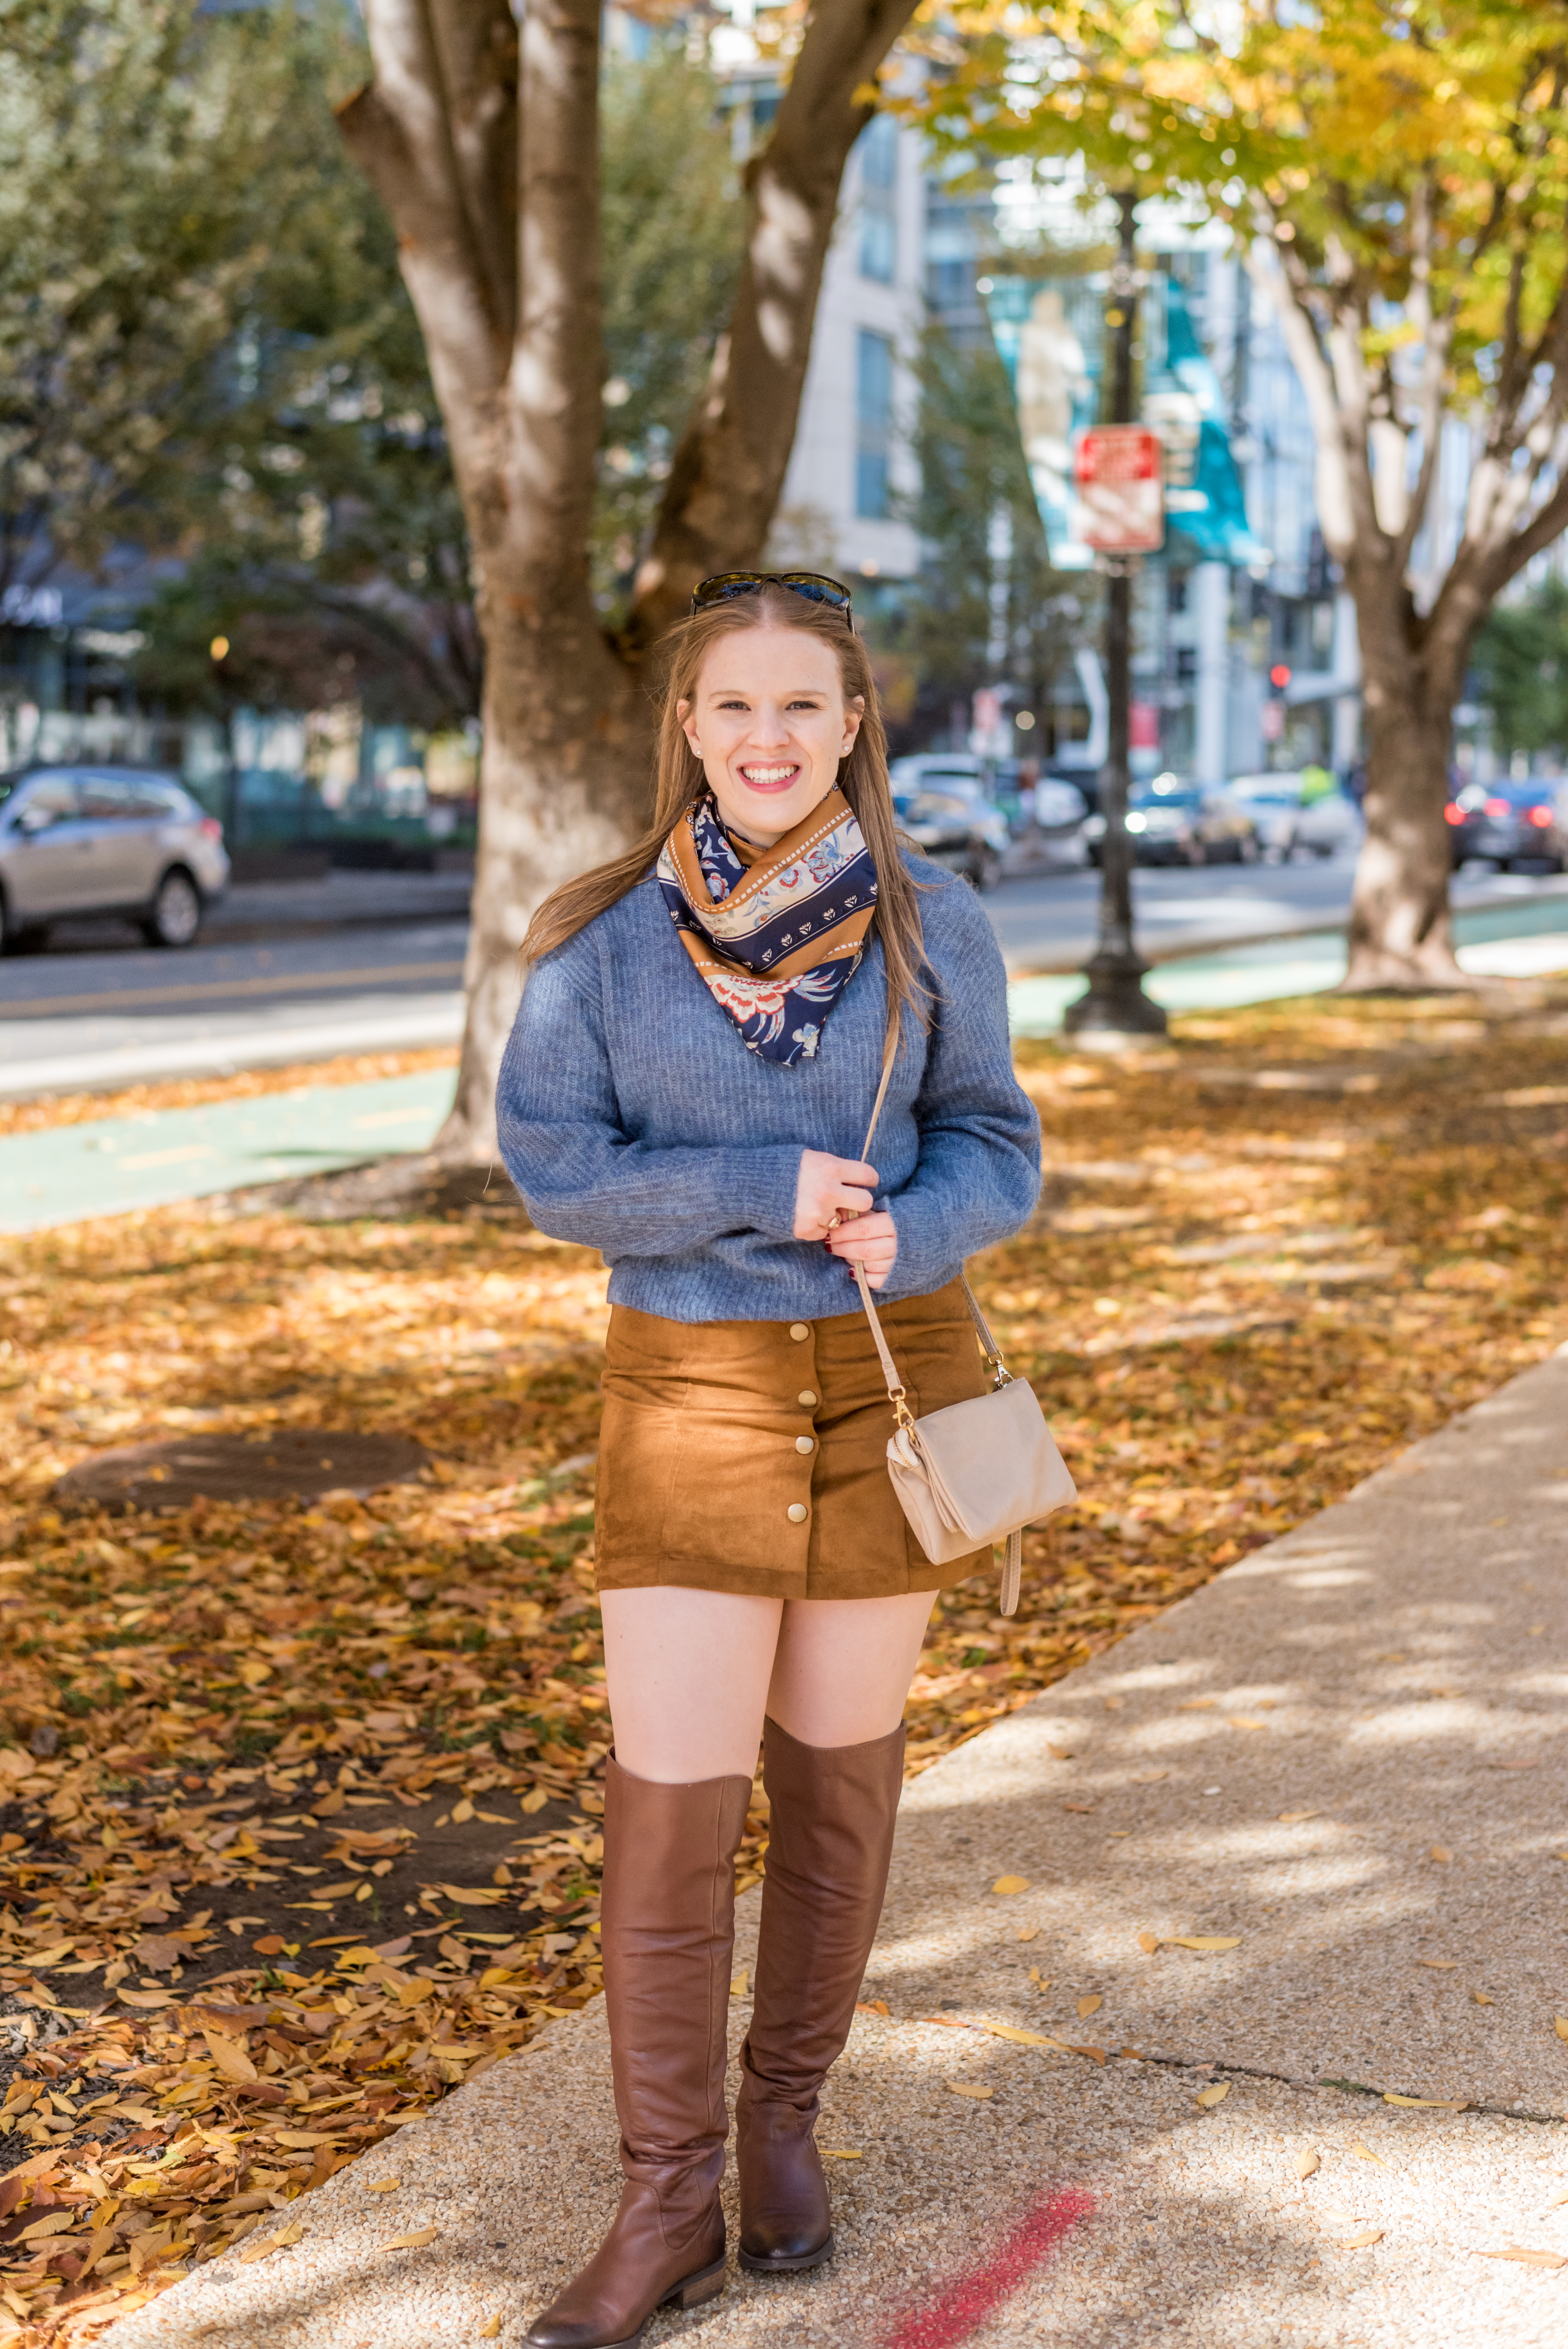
{"points": [[870, 1240]]}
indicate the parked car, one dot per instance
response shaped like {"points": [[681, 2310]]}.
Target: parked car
{"points": [[1174, 823], [1290, 821], [1511, 823], [109, 841], [956, 826], [954, 769]]}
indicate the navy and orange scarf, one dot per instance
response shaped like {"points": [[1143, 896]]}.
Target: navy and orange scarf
{"points": [[777, 933]]}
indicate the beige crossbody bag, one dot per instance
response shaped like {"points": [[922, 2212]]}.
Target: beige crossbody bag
{"points": [[979, 1470]]}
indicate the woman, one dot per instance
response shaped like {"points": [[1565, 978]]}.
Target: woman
{"points": [[688, 1083]]}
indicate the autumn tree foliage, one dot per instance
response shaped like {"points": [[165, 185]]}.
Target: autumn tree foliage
{"points": [[480, 132], [1397, 172]]}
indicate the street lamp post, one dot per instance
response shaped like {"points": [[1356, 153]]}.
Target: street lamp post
{"points": [[1115, 1009]]}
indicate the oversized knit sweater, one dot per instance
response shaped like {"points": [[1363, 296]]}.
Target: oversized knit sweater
{"points": [[634, 1120]]}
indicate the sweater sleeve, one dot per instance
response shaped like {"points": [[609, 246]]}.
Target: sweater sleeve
{"points": [[581, 1176], [977, 1177]]}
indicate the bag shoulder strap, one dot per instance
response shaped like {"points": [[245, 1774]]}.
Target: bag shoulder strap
{"points": [[988, 1345]]}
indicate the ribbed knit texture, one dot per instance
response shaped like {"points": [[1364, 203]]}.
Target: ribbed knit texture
{"points": [[634, 1120]]}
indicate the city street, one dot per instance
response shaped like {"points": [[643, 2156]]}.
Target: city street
{"points": [[351, 963], [1047, 923]]}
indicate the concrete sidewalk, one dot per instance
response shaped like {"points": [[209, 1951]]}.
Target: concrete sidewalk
{"points": [[1344, 1764]]}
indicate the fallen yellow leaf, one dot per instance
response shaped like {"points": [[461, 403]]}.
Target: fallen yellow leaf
{"points": [[1365, 2153], [1359, 2242], [1201, 1940], [1294, 1818], [1482, 1999], [1242, 1721], [1562, 2027], [1087, 2006], [1028, 1932], [838, 2153], [1060, 1753], [50, 2225], [1308, 2161], [1215, 2093], [270, 2244], [968, 2089], [1148, 1943], [1441, 1852], [741, 1984], [1010, 1884], [1429, 2103], [490, 2330], [1040, 1980], [534, 1800], [1022, 2038], [1197, 1704], [1526, 2258], [1149, 1777], [413, 2242], [229, 2057], [382, 2184], [1446, 1966], [871, 2006], [301, 2140]]}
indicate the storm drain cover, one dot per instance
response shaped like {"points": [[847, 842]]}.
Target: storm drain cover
{"points": [[301, 1462]]}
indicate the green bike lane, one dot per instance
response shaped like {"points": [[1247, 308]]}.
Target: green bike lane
{"points": [[114, 1165]]}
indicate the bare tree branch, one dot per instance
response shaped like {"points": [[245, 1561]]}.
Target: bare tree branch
{"points": [[478, 50], [397, 130], [1436, 342], [728, 472], [557, 367]]}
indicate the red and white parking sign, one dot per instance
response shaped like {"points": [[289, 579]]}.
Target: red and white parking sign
{"points": [[1121, 491]]}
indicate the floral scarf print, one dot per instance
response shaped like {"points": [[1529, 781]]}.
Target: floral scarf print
{"points": [[777, 933]]}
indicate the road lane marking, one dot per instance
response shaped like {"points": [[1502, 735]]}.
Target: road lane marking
{"points": [[202, 992]]}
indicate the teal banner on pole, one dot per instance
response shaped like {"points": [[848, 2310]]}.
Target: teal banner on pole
{"points": [[1051, 333]]}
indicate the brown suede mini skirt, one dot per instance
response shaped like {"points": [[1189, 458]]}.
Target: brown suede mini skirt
{"points": [[751, 1457]]}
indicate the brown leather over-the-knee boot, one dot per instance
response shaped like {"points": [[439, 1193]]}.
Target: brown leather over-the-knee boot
{"points": [[829, 1841], [668, 1931]]}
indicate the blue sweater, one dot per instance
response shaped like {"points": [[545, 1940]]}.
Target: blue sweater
{"points": [[634, 1120]]}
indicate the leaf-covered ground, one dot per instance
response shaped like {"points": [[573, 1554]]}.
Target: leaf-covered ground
{"points": [[302, 1802]]}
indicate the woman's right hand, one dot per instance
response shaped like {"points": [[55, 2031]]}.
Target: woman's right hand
{"points": [[829, 1187]]}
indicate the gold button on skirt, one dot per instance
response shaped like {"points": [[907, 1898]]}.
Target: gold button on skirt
{"points": [[752, 1455]]}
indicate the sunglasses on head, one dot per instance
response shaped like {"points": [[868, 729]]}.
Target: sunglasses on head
{"points": [[724, 585]]}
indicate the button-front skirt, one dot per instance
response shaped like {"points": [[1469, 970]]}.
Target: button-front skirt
{"points": [[751, 1457]]}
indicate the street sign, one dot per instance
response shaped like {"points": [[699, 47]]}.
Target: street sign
{"points": [[1121, 491]]}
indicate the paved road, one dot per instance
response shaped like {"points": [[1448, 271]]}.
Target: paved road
{"points": [[364, 962], [82, 1020], [1047, 923]]}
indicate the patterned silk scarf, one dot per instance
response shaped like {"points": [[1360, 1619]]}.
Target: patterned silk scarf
{"points": [[776, 933]]}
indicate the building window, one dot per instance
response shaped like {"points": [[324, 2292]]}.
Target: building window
{"points": [[879, 199], [873, 424]]}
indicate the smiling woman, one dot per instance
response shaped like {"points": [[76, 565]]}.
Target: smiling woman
{"points": [[696, 1057]]}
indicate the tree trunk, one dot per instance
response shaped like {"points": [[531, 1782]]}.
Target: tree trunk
{"points": [[729, 468], [482, 142], [1400, 934], [563, 784]]}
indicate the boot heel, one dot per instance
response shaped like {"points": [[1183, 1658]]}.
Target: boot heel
{"points": [[707, 2284]]}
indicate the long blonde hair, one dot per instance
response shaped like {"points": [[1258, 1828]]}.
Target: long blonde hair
{"points": [[680, 782]]}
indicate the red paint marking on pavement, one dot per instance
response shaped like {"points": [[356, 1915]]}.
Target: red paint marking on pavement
{"points": [[954, 2316]]}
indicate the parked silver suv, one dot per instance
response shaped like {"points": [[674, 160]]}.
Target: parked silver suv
{"points": [[105, 840]]}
